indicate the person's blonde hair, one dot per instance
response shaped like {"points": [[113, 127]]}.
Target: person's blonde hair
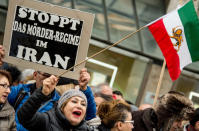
{"points": [[63, 88], [64, 104]]}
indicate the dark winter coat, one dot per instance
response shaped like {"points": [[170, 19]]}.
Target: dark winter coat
{"points": [[102, 128], [7, 118], [29, 89], [52, 120], [145, 120]]}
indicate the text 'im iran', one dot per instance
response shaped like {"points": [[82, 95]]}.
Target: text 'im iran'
{"points": [[30, 55]]}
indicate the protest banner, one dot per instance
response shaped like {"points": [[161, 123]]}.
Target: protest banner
{"points": [[46, 37]]}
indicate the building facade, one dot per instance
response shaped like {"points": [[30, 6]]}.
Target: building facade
{"points": [[133, 66]]}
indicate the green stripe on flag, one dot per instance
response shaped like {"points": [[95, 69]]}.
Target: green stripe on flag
{"points": [[190, 22]]}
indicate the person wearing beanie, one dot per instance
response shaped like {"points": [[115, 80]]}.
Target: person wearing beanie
{"points": [[71, 93], [69, 114]]}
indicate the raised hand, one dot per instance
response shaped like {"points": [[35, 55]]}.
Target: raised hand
{"points": [[49, 84], [84, 79]]}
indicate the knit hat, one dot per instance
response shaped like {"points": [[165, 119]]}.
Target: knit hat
{"points": [[70, 93]]}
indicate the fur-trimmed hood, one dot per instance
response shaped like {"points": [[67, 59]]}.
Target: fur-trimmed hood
{"points": [[171, 107]]}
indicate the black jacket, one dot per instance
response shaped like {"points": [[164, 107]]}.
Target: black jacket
{"points": [[145, 120], [102, 128], [52, 120]]}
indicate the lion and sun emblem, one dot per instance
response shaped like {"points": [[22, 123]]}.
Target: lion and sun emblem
{"points": [[177, 36]]}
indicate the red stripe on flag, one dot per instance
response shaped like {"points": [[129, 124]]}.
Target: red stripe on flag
{"points": [[161, 36]]}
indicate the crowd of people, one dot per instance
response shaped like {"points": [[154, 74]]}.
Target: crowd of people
{"points": [[38, 101]]}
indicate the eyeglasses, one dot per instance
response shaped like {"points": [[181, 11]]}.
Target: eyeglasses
{"points": [[5, 86], [132, 122], [44, 74]]}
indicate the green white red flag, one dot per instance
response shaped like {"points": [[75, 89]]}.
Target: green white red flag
{"points": [[177, 35]]}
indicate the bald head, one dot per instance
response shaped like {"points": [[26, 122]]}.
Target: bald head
{"points": [[105, 89]]}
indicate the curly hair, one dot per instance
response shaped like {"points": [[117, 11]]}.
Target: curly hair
{"points": [[112, 111]]}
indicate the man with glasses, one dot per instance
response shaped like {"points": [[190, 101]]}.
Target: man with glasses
{"points": [[20, 93], [7, 113]]}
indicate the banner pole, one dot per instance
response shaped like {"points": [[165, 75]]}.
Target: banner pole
{"points": [[159, 83], [116, 43]]}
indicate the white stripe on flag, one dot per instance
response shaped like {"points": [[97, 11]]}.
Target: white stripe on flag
{"points": [[171, 21]]}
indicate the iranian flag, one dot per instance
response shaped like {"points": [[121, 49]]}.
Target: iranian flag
{"points": [[177, 35]]}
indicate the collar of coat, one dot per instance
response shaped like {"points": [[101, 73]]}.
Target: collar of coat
{"points": [[62, 120], [7, 110], [102, 127]]}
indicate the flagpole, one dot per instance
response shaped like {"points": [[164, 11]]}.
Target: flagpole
{"points": [[159, 83]]}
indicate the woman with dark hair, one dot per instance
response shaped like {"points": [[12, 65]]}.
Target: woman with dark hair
{"points": [[7, 113], [115, 116]]}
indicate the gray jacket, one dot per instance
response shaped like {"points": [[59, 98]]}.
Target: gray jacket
{"points": [[7, 118]]}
